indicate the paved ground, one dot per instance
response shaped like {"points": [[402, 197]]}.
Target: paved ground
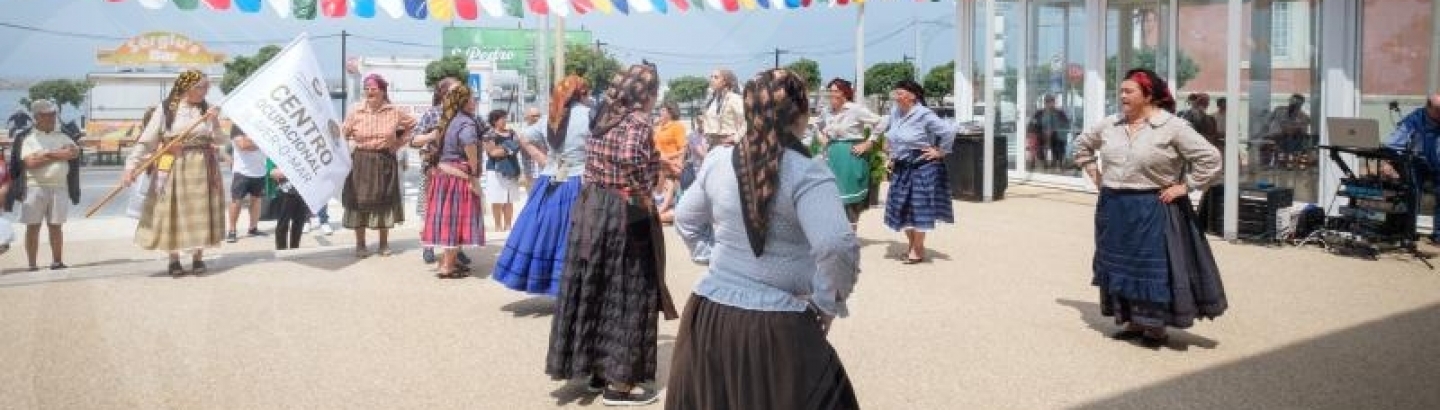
{"points": [[1003, 318]]}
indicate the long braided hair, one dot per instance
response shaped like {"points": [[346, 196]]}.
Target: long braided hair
{"points": [[570, 91], [187, 80], [452, 106], [775, 104]]}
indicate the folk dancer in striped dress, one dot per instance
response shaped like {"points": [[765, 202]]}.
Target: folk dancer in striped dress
{"points": [[454, 218], [427, 131], [917, 141], [375, 129], [1152, 264], [185, 206]]}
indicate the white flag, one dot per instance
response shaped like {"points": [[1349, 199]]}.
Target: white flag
{"points": [[285, 108]]}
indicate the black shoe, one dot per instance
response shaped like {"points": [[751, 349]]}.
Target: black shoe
{"points": [[596, 385], [231, 237], [428, 255], [629, 398], [197, 267], [175, 269], [255, 232], [464, 260], [58, 266], [1154, 342], [1128, 334], [34, 268]]}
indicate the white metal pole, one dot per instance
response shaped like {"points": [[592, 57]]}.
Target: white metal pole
{"points": [[1233, 47], [560, 45], [1172, 44], [1022, 88], [964, 60], [542, 62], [992, 109], [860, 52]]}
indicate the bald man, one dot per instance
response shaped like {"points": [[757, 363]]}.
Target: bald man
{"points": [[1420, 132]]}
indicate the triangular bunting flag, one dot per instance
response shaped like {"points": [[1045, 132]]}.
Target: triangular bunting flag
{"points": [[441, 10], [393, 8], [417, 9], [538, 6], [282, 7], [363, 8], [304, 9], [187, 4], [513, 8], [334, 8], [248, 6], [559, 7], [467, 10], [218, 4], [605, 6]]}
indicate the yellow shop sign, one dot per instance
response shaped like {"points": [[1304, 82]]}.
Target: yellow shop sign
{"points": [[159, 48]]}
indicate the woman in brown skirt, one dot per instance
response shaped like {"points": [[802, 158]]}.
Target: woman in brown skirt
{"points": [[613, 286], [753, 333], [184, 206], [376, 130]]}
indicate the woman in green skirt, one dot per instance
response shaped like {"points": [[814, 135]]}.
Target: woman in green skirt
{"points": [[842, 133]]}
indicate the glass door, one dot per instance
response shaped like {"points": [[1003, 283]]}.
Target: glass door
{"points": [[1055, 87]]}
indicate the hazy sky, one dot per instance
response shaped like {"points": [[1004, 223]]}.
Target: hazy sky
{"points": [[683, 43]]}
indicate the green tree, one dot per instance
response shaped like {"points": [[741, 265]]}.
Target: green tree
{"points": [[1146, 58], [687, 89], [240, 68], [448, 66], [882, 77], [61, 91], [595, 66], [940, 81], [807, 69]]}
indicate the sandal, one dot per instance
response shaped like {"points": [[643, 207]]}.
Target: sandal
{"points": [[175, 269], [384, 251], [361, 252]]}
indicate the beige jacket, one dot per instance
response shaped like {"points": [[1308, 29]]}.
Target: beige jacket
{"points": [[726, 116]]}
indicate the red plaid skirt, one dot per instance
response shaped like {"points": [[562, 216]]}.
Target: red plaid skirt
{"points": [[453, 216]]}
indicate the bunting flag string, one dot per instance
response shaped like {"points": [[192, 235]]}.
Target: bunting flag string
{"points": [[470, 10]]}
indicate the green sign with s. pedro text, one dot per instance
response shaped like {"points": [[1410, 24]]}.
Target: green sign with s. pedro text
{"points": [[508, 48]]}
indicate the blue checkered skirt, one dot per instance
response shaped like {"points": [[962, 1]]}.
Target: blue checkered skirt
{"points": [[919, 196]]}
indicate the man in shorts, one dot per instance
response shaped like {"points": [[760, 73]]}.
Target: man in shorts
{"points": [[247, 186], [44, 186]]}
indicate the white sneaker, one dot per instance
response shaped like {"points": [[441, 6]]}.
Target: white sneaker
{"points": [[326, 229]]}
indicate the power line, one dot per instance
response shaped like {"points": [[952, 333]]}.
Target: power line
{"points": [[89, 36]]}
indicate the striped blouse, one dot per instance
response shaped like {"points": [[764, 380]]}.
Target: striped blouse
{"points": [[374, 130]]}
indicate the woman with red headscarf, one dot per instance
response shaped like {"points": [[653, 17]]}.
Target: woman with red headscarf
{"points": [[375, 130], [847, 146], [1152, 265], [533, 257]]}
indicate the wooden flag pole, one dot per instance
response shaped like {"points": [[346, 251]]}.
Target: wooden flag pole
{"points": [[184, 135]]}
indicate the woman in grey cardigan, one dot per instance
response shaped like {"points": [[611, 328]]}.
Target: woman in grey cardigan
{"points": [[753, 333], [1152, 265]]}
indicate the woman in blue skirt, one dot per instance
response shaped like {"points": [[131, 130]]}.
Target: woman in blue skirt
{"points": [[531, 261], [1152, 265], [917, 141]]}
